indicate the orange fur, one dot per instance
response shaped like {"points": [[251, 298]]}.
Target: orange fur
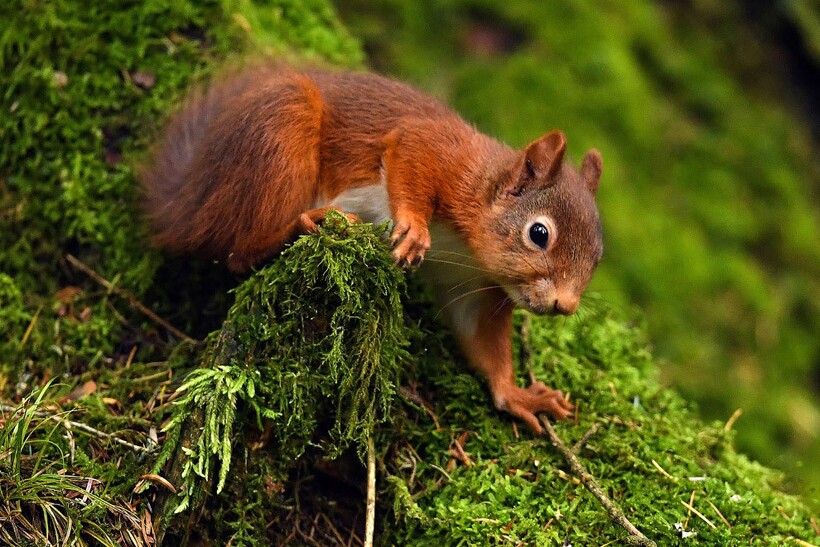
{"points": [[255, 161]]}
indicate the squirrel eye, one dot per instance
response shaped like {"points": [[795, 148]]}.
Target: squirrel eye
{"points": [[539, 235]]}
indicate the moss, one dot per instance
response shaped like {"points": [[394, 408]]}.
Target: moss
{"points": [[310, 354], [13, 319], [84, 89], [78, 115], [518, 489]]}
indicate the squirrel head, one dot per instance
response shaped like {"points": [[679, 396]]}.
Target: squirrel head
{"points": [[545, 238]]}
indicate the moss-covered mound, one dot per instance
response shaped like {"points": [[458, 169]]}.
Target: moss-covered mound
{"points": [[312, 351], [642, 442], [118, 428]]}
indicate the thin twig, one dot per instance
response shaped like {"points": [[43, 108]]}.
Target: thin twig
{"points": [[153, 477], [458, 452], [689, 514], [726, 522], [414, 396], [615, 513], [576, 448], [370, 515], [30, 327], [732, 419], [699, 514], [68, 424], [333, 529], [663, 471], [132, 300]]}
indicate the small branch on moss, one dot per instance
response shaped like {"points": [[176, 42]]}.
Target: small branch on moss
{"points": [[615, 513], [732, 419], [370, 515], [699, 515], [132, 300], [30, 327], [664, 472], [801, 542], [689, 514], [333, 529], [69, 424], [414, 396], [576, 448], [716, 510], [153, 477]]}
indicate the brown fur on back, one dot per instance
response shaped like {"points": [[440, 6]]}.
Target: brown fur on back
{"points": [[245, 157]]}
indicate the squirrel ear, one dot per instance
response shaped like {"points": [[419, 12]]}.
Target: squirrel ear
{"points": [[591, 169], [545, 155], [542, 159]]}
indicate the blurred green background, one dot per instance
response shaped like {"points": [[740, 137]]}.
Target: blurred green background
{"points": [[705, 112]]}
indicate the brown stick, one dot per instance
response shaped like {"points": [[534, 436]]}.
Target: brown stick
{"points": [[132, 300], [615, 513], [582, 442]]}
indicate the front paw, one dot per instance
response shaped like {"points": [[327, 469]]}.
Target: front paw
{"points": [[411, 240], [525, 403]]}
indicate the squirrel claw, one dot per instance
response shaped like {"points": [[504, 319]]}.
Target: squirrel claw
{"points": [[410, 241], [526, 403]]}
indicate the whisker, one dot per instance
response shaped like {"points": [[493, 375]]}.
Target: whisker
{"points": [[470, 266], [468, 293], [546, 263], [534, 269], [445, 251], [465, 282], [498, 307]]}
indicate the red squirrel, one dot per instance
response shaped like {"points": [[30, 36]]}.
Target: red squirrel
{"points": [[257, 160]]}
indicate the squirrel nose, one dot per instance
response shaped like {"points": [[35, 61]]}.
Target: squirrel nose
{"points": [[567, 304]]}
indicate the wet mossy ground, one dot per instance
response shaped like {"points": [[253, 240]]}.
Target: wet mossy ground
{"points": [[301, 362]]}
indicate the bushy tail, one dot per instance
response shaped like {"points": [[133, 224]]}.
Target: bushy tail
{"points": [[171, 194]]}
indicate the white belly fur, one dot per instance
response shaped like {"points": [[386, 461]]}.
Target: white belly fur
{"points": [[369, 203], [449, 265], [457, 278]]}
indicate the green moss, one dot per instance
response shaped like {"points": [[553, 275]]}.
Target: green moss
{"points": [[77, 115], [520, 490], [84, 90], [13, 319], [312, 348]]}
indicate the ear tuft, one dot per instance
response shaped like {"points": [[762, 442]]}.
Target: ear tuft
{"points": [[591, 169]]}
